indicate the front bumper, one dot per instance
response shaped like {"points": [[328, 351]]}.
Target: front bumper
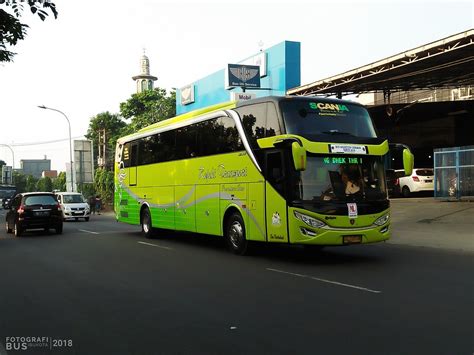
{"points": [[76, 214], [364, 231]]}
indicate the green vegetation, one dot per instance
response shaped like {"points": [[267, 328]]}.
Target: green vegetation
{"points": [[12, 30]]}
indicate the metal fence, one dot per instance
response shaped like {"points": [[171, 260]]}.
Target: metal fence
{"points": [[454, 173]]}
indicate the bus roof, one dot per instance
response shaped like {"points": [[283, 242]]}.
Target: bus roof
{"points": [[277, 99]]}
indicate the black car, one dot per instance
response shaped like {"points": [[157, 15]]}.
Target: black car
{"points": [[34, 210]]}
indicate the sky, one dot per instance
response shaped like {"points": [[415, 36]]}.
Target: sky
{"points": [[82, 63]]}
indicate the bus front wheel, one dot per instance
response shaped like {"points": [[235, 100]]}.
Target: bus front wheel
{"points": [[235, 234], [147, 228]]}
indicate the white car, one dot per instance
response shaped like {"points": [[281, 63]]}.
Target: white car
{"points": [[420, 180], [73, 205]]}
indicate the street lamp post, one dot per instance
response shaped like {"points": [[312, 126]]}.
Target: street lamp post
{"points": [[70, 140]]}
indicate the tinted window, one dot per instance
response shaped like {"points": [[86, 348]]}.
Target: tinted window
{"points": [[187, 146], [147, 149], [424, 172], [134, 154], [216, 136], [312, 117], [39, 200], [72, 199], [166, 151], [259, 121]]}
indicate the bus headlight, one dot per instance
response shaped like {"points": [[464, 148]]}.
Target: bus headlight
{"points": [[382, 220], [310, 221]]}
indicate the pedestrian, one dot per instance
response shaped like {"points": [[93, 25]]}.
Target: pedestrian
{"points": [[98, 204], [92, 204]]}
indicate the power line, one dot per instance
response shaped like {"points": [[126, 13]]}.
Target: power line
{"points": [[44, 142]]}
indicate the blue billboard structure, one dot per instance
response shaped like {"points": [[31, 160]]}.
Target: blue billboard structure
{"points": [[279, 70], [244, 76]]}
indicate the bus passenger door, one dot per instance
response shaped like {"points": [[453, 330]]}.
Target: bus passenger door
{"points": [[275, 190], [133, 165]]}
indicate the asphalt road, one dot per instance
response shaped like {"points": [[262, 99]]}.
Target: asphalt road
{"points": [[107, 290]]}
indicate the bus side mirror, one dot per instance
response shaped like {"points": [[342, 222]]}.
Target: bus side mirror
{"points": [[408, 161], [298, 153]]}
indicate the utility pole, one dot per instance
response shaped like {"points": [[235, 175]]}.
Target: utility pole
{"points": [[101, 162]]}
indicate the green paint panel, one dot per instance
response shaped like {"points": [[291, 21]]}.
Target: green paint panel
{"points": [[256, 211], [185, 212], [163, 207], [277, 231], [207, 209]]}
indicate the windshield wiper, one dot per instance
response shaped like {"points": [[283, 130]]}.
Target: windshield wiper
{"points": [[336, 132]]}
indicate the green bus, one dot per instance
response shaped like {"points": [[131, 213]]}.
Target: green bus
{"points": [[292, 170]]}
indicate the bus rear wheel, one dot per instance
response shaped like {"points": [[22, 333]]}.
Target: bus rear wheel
{"points": [[235, 234], [147, 228]]}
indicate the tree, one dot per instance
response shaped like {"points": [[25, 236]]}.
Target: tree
{"points": [[12, 30], [20, 181], [2, 163], [44, 184], [60, 182], [104, 185], [31, 183], [148, 107], [113, 126]]}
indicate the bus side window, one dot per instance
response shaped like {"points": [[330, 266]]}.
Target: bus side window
{"points": [[167, 146], [259, 121], [272, 126], [186, 146], [134, 154]]}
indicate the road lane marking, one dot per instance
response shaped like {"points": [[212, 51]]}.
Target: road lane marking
{"points": [[154, 245], [86, 231], [326, 281]]}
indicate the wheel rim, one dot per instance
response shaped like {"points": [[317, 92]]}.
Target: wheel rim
{"points": [[236, 234], [146, 223]]}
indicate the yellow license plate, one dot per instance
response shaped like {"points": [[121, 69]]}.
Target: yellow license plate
{"points": [[351, 239]]}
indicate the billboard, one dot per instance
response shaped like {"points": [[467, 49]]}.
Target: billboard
{"points": [[245, 76], [83, 162]]}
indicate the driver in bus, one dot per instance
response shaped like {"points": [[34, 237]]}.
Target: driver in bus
{"points": [[351, 179]]}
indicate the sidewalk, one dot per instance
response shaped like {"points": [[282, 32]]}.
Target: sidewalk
{"points": [[432, 223]]}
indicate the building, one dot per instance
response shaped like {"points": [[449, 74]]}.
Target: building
{"points": [[53, 174], [35, 167], [144, 80], [280, 70]]}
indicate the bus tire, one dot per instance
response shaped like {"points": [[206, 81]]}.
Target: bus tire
{"points": [[235, 234], [147, 227]]}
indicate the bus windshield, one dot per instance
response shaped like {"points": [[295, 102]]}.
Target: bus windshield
{"points": [[310, 118], [341, 179]]}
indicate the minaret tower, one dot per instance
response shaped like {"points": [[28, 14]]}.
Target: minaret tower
{"points": [[144, 79]]}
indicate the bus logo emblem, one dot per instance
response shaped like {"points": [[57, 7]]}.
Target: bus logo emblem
{"points": [[276, 219]]}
